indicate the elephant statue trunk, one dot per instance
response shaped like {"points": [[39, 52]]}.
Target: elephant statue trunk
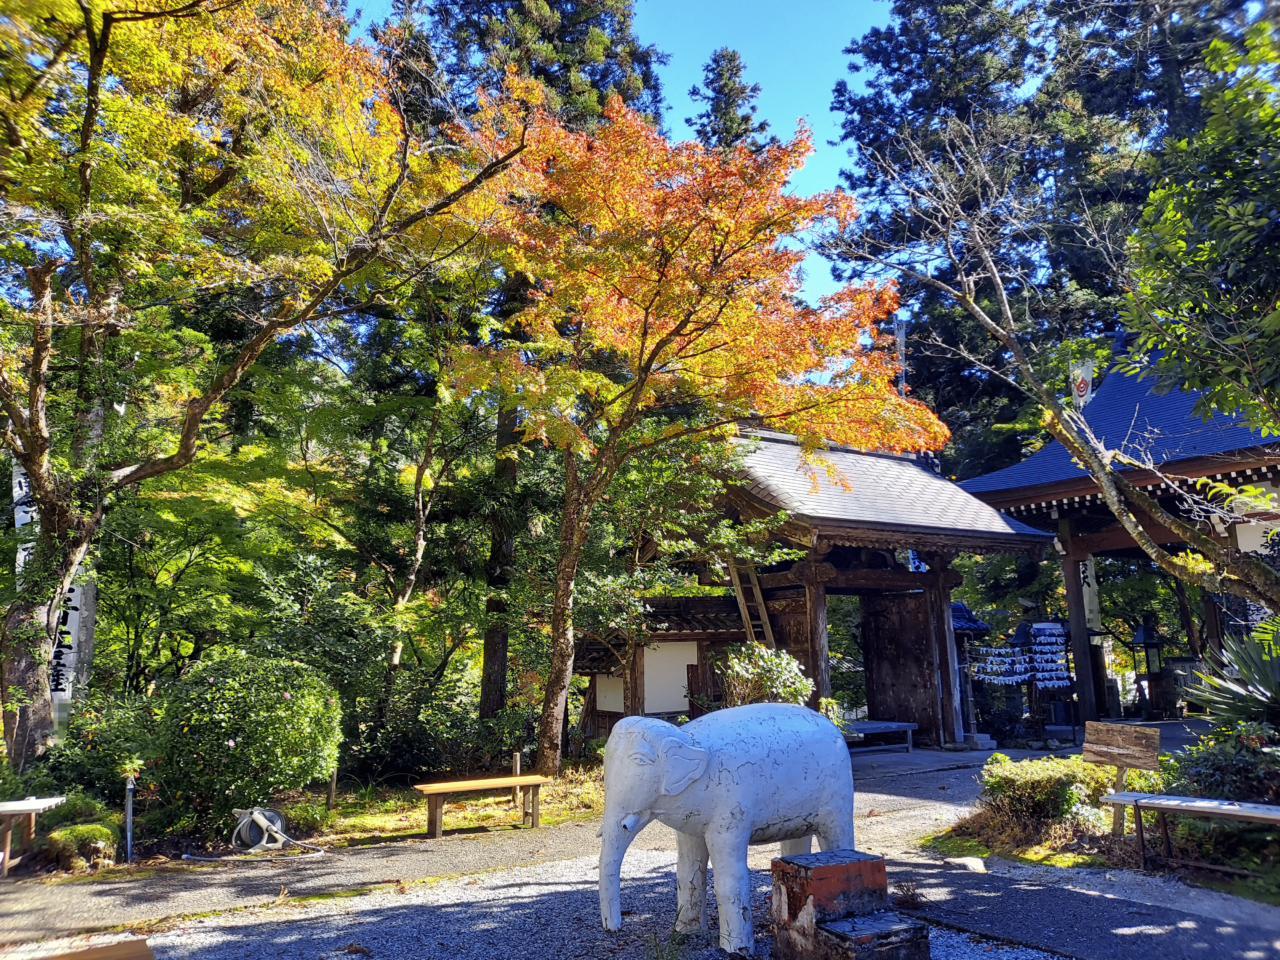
{"points": [[616, 835]]}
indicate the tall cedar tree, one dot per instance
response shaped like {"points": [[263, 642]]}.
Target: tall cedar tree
{"points": [[1101, 83], [730, 115], [582, 52], [666, 305]]}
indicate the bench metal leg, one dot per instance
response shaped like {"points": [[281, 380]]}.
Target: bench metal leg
{"points": [[909, 732], [1142, 843], [536, 812], [435, 816], [6, 835]]}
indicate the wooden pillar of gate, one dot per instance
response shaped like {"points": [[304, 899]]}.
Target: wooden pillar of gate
{"points": [[1078, 623]]}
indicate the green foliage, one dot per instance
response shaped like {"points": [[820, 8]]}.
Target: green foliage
{"points": [[434, 731], [581, 51], [844, 641], [1047, 790], [239, 729], [79, 807], [752, 673], [1236, 761], [730, 115], [307, 816], [104, 736], [1249, 688], [1207, 251]]}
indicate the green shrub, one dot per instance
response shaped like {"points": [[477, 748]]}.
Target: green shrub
{"points": [[1253, 694], [434, 730], [238, 730], [307, 816], [752, 673], [1233, 762], [104, 736], [1047, 790], [79, 807], [76, 847]]}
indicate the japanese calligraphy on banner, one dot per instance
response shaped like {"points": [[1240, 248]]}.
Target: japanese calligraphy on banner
{"points": [[71, 622]]}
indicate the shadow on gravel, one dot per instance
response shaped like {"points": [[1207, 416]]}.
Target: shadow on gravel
{"points": [[485, 919], [1083, 922]]}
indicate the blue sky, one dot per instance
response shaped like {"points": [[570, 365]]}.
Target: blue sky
{"points": [[792, 49]]}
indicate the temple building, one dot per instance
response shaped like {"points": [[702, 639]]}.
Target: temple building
{"points": [[1049, 491], [885, 529]]}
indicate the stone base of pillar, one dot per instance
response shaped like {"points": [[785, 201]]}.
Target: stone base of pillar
{"points": [[834, 906]]}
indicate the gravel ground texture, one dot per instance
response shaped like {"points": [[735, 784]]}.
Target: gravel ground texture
{"points": [[530, 913]]}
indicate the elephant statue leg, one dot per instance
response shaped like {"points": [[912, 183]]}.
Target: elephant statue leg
{"points": [[691, 883], [836, 835], [794, 848], [733, 891]]}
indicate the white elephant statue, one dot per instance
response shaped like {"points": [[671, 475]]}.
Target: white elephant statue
{"points": [[754, 774]]}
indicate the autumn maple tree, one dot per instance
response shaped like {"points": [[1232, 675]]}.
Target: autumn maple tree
{"points": [[667, 305], [184, 183]]}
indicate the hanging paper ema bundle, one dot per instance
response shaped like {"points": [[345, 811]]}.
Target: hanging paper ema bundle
{"points": [[1037, 654]]}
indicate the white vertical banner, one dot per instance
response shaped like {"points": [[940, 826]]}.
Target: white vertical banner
{"points": [[66, 644], [1092, 604]]}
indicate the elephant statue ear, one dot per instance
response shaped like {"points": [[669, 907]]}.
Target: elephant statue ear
{"points": [[682, 763]]}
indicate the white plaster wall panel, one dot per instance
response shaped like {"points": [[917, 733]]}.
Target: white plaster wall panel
{"points": [[608, 693], [666, 676]]}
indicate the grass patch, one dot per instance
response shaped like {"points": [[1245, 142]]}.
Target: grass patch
{"points": [[952, 844], [384, 813], [1250, 888]]}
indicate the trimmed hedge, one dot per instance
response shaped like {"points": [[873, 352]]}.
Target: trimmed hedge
{"points": [[1047, 790], [238, 730]]}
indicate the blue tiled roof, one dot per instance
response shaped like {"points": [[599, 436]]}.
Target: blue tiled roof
{"points": [[962, 618], [1125, 413]]}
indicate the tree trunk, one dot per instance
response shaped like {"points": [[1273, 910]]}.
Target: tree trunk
{"points": [[27, 646], [1188, 619], [555, 699], [578, 504], [388, 687], [502, 547]]}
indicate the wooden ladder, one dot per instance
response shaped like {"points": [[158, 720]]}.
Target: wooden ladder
{"points": [[755, 618]]}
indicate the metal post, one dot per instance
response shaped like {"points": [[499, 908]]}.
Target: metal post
{"points": [[128, 820]]}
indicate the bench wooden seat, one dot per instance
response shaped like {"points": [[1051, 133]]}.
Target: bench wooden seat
{"points": [[1189, 807], [25, 811], [125, 950], [437, 793], [874, 727]]}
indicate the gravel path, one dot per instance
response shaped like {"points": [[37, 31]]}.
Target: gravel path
{"points": [[529, 913], [911, 805], [533, 894]]}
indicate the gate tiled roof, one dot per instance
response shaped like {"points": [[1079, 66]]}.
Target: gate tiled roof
{"points": [[897, 497]]}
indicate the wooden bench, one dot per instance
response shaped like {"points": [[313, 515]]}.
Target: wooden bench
{"points": [[874, 727], [1189, 807], [437, 793], [25, 811], [125, 950]]}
